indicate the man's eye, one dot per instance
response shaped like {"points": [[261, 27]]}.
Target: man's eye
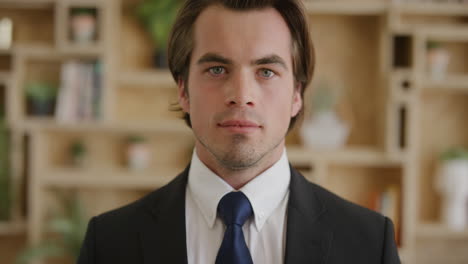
{"points": [[217, 70], [265, 73]]}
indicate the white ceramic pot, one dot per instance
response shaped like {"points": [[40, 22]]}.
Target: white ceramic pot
{"points": [[438, 60], [83, 28], [324, 131], [452, 184], [138, 156]]}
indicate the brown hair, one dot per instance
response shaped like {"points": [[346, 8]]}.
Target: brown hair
{"points": [[181, 40]]}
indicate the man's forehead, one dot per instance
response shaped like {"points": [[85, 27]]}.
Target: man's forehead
{"points": [[256, 34]]}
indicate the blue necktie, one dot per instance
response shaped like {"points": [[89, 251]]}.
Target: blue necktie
{"points": [[234, 209]]}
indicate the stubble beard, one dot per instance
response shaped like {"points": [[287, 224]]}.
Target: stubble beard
{"points": [[240, 154]]}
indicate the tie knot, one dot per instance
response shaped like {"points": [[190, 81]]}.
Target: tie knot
{"points": [[234, 208]]}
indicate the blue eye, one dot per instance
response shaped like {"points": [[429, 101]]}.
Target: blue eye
{"points": [[266, 73], [217, 70]]}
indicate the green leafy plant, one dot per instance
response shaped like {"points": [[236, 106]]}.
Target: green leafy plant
{"points": [[133, 139], [158, 16], [70, 228], [41, 92], [77, 148], [323, 97], [454, 153], [83, 11], [433, 45]]}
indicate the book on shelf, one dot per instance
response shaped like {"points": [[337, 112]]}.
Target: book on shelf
{"points": [[387, 202], [79, 94]]}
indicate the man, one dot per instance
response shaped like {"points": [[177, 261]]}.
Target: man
{"points": [[241, 69]]}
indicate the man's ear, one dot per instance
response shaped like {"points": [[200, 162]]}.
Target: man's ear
{"points": [[296, 100], [184, 101]]}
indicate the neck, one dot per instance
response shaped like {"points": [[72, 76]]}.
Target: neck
{"points": [[237, 178]]}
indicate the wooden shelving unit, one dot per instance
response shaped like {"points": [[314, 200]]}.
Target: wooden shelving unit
{"points": [[375, 49]]}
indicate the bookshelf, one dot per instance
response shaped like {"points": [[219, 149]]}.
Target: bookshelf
{"points": [[375, 50]]}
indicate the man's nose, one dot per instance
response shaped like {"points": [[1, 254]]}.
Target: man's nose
{"points": [[240, 90]]}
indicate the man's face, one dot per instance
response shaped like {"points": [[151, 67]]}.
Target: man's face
{"points": [[241, 90]]}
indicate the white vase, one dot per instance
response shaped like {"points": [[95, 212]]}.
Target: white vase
{"points": [[138, 156], [438, 60], [324, 131], [452, 183], [83, 28]]}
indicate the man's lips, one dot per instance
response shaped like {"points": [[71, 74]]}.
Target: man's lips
{"points": [[239, 126], [238, 123]]}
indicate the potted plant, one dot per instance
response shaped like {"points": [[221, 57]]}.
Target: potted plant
{"points": [[451, 182], [323, 129], [70, 227], [78, 153], [438, 58], [41, 97], [157, 17], [83, 25], [138, 153]]}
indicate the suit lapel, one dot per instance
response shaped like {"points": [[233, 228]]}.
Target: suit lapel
{"points": [[162, 229], [308, 237]]}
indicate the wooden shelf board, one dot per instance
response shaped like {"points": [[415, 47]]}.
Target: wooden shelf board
{"points": [[27, 4], [443, 33], [92, 50], [164, 126], [432, 8], [149, 78], [100, 178], [47, 52], [450, 84], [350, 155], [345, 7], [12, 227], [439, 231]]}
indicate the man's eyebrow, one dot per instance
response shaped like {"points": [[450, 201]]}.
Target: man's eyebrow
{"points": [[270, 59], [213, 57]]}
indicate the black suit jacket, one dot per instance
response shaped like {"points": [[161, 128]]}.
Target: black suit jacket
{"points": [[321, 228]]}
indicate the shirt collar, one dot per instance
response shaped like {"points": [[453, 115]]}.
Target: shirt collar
{"points": [[207, 189]]}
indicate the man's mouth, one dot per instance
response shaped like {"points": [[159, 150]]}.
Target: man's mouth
{"points": [[239, 126]]}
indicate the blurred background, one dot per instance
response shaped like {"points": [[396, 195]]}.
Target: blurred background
{"points": [[88, 122]]}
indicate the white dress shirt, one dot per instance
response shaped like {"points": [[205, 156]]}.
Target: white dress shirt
{"points": [[264, 232]]}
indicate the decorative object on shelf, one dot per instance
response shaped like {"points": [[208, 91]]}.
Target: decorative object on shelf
{"points": [[83, 25], [323, 129], [438, 58], [70, 227], [78, 154], [5, 187], [138, 153], [6, 33], [157, 16], [41, 97], [451, 182], [79, 96], [387, 202]]}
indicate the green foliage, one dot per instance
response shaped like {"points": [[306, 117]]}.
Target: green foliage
{"points": [[41, 91], [433, 45], [158, 16], [70, 227], [454, 153], [323, 97], [83, 11], [77, 148], [136, 139]]}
